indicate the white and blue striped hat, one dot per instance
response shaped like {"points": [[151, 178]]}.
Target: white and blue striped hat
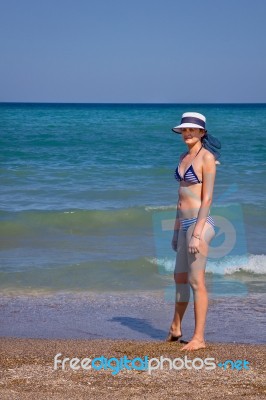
{"points": [[191, 120]]}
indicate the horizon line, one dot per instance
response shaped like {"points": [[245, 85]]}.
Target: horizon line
{"points": [[130, 103]]}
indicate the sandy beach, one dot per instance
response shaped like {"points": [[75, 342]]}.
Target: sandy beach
{"points": [[35, 328], [27, 371]]}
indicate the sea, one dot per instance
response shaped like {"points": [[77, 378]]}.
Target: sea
{"points": [[88, 199]]}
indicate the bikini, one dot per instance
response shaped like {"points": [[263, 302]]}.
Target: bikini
{"points": [[190, 177]]}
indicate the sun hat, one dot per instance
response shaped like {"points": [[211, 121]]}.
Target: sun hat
{"points": [[191, 120], [197, 120]]}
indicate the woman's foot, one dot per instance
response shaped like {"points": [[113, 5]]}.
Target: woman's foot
{"points": [[194, 344], [172, 338], [174, 335]]}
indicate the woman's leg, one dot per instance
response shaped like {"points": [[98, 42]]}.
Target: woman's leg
{"points": [[182, 285], [196, 278]]}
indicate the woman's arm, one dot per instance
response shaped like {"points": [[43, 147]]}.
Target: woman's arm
{"points": [[176, 230], [177, 222], [208, 179]]}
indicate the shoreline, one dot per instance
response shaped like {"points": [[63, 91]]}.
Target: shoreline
{"points": [[139, 315], [27, 368]]}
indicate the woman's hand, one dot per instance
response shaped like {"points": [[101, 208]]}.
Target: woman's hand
{"points": [[193, 246], [174, 240]]}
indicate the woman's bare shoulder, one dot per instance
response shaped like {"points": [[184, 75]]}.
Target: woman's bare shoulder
{"points": [[208, 156]]}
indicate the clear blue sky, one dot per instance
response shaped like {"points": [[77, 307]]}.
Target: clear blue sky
{"points": [[165, 51]]}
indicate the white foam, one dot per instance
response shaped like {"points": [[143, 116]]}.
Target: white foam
{"points": [[153, 208], [250, 263], [168, 264]]}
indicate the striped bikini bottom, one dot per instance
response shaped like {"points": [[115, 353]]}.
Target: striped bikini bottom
{"points": [[185, 223]]}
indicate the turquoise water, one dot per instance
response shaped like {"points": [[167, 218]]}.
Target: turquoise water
{"points": [[82, 184]]}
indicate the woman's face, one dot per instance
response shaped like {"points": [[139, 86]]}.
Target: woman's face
{"points": [[192, 135]]}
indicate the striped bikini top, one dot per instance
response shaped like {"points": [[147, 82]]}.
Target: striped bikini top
{"points": [[190, 175]]}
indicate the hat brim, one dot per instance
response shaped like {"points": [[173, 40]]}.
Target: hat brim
{"points": [[177, 129]]}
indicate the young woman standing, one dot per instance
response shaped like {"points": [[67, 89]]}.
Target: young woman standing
{"points": [[194, 227]]}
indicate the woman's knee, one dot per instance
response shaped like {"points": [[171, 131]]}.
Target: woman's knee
{"points": [[197, 284], [181, 277]]}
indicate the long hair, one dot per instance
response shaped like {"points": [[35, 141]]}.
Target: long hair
{"points": [[212, 144]]}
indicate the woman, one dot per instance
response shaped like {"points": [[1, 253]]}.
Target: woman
{"points": [[194, 227]]}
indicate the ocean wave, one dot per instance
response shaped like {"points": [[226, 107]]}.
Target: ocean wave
{"points": [[251, 264], [248, 264], [26, 223], [154, 208], [136, 274]]}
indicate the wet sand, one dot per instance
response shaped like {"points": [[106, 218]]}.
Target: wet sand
{"points": [[33, 329], [27, 371], [126, 315]]}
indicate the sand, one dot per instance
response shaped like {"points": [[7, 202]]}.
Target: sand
{"points": [[27, 371], [127, 315]]}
